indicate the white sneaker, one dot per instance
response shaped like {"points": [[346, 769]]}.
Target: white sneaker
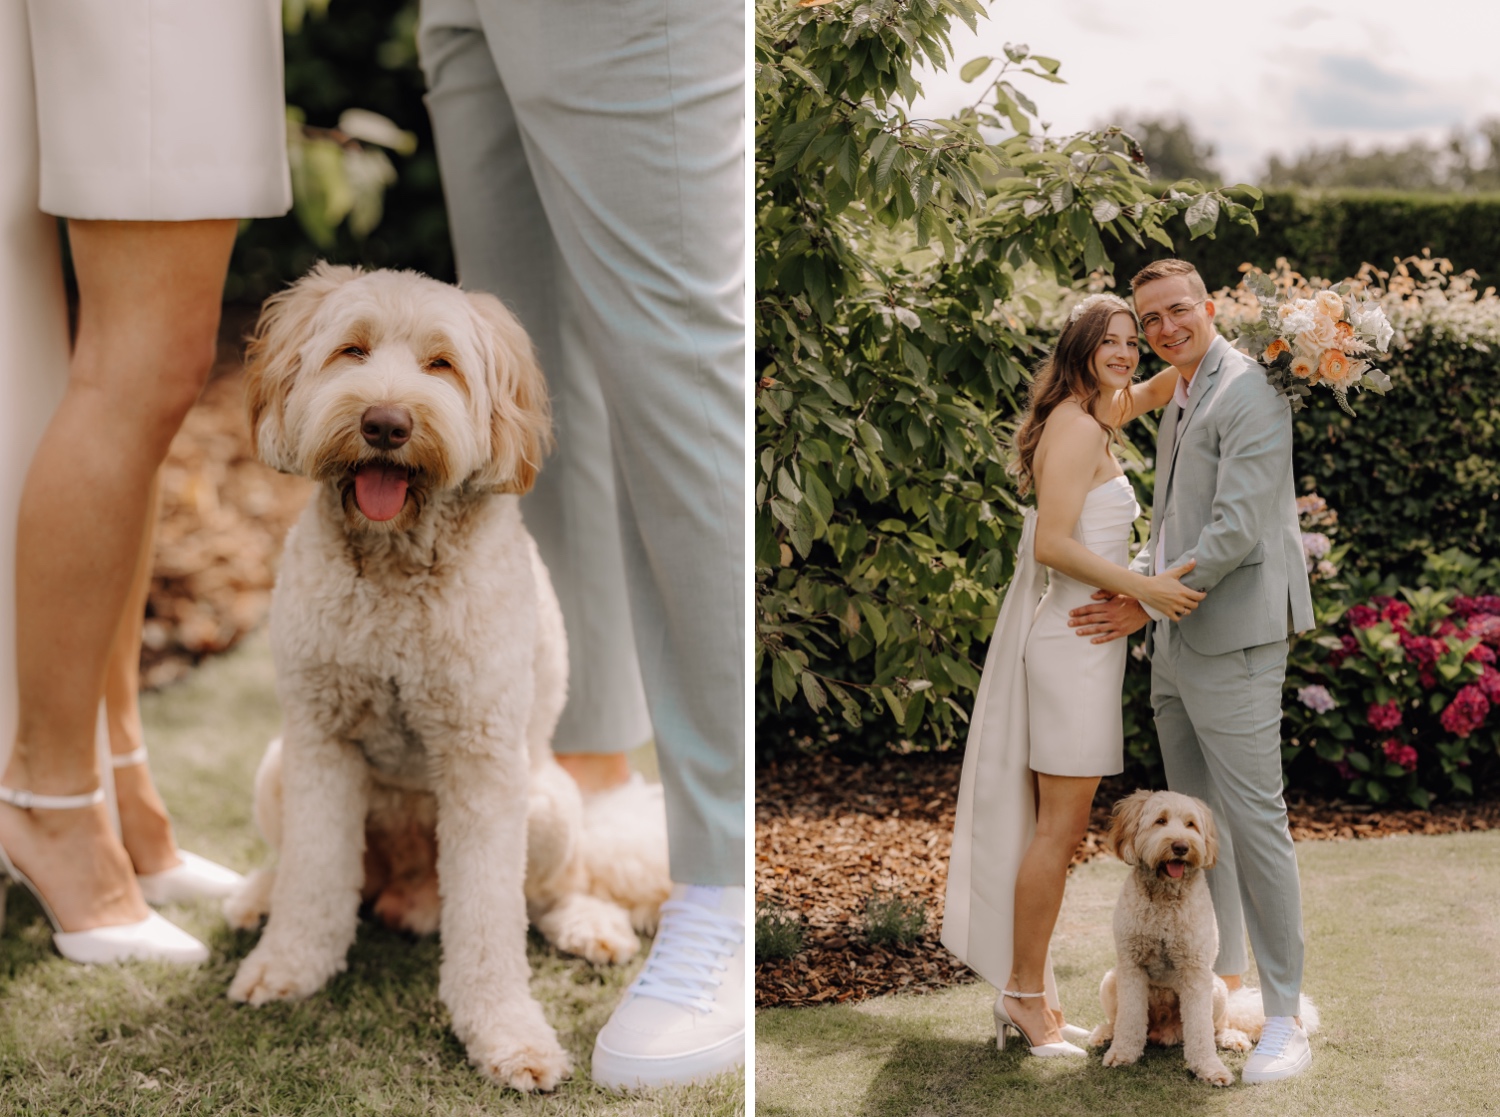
{"points": [[683, 1018], [1281, 1052]]}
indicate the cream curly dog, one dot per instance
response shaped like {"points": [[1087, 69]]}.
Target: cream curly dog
{"points": [[1163, 986], [420, 656], [1163, 989]]}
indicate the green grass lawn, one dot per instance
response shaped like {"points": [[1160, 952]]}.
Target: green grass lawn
{"points": [[1403, 959], [154, 1039]]}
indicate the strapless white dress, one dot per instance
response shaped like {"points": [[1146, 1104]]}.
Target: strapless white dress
{"points": [[1049, 701], [1073, 685]]}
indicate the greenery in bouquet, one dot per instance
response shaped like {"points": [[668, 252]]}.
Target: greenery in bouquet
{"points": [[1306, 336], [1390, 697]]}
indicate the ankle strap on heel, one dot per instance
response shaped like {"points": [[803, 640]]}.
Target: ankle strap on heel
{"points": [[1021, 996], [128, 759], [26, 800]]}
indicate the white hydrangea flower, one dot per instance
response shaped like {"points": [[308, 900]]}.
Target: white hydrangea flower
{"points": [[1316, 698]]}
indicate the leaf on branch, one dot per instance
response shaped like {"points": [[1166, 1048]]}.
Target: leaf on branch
{"points": [[803, 72], [1105, 210], [1203, 215], [812, 690], [1094, 257], [974, 67]]}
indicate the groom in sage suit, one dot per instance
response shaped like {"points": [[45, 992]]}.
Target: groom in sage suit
{"points": [[1225, 499]]}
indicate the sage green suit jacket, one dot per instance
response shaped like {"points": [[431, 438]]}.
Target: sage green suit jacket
{"points": [[1225, 496]]}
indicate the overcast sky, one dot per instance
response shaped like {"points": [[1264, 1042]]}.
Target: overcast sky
{"points": [[1251, 79]]}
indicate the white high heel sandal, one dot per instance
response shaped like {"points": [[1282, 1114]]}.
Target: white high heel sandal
{"points": [[197, 878], [151, 939], [1004, 1022]]}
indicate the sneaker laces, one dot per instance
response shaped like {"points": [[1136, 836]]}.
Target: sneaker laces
{"points": [[687, 961], [1273, 1039]]}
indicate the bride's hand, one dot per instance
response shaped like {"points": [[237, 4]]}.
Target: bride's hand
{"points": [[1169, 596]]}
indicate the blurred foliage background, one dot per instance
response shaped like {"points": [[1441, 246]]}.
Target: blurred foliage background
{"points": [[366, 192]]}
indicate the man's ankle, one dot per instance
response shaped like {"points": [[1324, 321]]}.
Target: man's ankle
{"points": [[595, 771]]}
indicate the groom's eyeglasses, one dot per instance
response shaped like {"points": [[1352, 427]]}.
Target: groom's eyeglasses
{"points": [[1150, 323]]}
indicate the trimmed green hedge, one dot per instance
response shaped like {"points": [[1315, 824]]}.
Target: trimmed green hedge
{"points": [[1332, 233], [1416, 472]]}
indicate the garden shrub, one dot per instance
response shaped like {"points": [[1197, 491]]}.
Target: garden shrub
{"points": [[894, 920], [778, 932]]}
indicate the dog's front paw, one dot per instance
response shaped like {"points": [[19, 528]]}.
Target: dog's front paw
{"points": [[1118, 1057], [591, 928], [1232, 1039], [1214, 1073], [536, 1062], [268, 975], [1102, 1034]]}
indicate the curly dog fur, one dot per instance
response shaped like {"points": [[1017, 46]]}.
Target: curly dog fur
{"points": [[1163, 989], [421, 664]]}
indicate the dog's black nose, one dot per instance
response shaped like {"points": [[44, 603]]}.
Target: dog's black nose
{"points": [[385, 428], [1180, 849]]}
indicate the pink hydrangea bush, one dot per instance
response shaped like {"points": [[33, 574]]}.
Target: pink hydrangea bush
{"points": [[1396, 695]]}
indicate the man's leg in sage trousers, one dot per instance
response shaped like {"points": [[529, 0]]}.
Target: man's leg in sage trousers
{"points": [[1234, 701], [504, 246], [1187, 771], [630, 120]]}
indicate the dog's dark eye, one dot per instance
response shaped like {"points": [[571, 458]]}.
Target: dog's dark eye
{"points": [[1191, 825], [354, 351], [1162, 821], [440, 362]]}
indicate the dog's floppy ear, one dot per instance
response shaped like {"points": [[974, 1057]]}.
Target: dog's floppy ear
{"points": [[1123, 822], [1210, 834], [520, 419], [273, 357]]}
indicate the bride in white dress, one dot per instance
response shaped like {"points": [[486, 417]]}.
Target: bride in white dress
{"points": [[1047, 718]]}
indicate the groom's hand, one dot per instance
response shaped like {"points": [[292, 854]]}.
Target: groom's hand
{"points": [[1112, 617]]}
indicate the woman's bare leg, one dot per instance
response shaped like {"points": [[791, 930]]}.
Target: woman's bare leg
{"points": [[144, 825], [149, 296], [1062, 819]]}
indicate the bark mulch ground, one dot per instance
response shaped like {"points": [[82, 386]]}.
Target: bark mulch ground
{"points": [[830, 833], [223, 519]]}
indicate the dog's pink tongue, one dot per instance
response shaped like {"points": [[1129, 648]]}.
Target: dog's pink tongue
{"points": [[379, 489], [1174, 869]]}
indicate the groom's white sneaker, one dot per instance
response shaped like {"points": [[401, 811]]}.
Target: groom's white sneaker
{"points": [[683, 1018], [1281, 1052]]}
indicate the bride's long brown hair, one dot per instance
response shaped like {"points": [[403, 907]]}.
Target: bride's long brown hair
{"points": [[1067, 374]]}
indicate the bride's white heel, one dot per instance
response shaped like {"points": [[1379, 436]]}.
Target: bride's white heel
{"points": [[1003, 1022], [196, 878], [150, 939]]}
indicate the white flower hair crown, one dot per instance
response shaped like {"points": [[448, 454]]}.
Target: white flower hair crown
{"points": [[1094, 300]]}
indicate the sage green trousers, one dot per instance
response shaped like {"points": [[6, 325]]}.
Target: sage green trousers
{"points": [[1218, 718], [593, 160]]}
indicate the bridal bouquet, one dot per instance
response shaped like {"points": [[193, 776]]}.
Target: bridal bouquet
{"points": [[1324, 338]]}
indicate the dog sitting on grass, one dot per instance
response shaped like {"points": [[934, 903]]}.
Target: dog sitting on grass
{"points": [[420, 658], [1163, 989]]}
